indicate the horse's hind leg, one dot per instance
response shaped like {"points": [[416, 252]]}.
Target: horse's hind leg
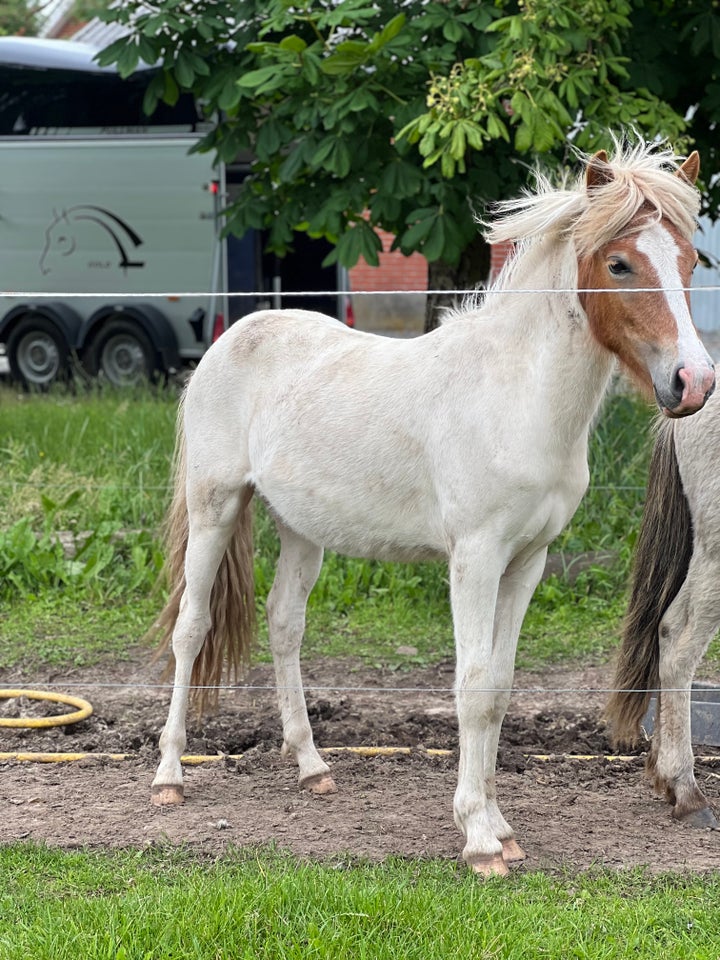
{"points": [[298, 568], [685, 632], [208, 538]]}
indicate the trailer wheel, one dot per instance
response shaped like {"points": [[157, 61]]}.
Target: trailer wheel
{"points": [[37, 352], [121, 354]]}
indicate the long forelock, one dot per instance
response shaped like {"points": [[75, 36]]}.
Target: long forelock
{"points": [[643, 179]]}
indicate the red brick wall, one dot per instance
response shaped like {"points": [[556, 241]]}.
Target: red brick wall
{"points": [[387, 312], [396, 272], [499, 254]]}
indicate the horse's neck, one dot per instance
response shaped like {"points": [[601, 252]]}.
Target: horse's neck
{"points": [[571, 371]]}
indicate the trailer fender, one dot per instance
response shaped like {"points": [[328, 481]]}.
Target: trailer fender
{"points": [[67, 320], [148, 318]]}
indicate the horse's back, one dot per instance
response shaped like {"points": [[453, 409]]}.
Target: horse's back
{"points": [[281, 334]]}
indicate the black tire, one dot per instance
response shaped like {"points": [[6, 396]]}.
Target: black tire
{"points": [[37, 353], [121, 354]]}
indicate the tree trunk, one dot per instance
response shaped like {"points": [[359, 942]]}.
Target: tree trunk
{"points": [[471, 273]]}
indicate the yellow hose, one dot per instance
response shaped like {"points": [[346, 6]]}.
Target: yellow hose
{"points": [[85, 709], [83, 712], [383, 751]]}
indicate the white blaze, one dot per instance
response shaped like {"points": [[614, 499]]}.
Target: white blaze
{"points": [[661, 249]]}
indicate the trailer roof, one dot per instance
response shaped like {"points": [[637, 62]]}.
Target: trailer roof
{"points": [[41, 54]]}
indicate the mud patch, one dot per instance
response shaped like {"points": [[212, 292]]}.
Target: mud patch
{"points": [[566, 811]]}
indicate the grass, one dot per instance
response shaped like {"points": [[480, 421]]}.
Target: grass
{"points": [[96, 468], [168, 903]]}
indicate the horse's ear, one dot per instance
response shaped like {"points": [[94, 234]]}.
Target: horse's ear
{"points": [[690, 168], [598, 172]]}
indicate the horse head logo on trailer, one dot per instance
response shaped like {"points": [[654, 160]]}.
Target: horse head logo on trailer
{"points": [[67, 233]]}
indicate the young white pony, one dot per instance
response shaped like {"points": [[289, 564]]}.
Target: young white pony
{"points": [[468, 443]]}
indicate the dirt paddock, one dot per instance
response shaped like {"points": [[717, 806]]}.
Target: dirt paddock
{"points": [[567, 812]]}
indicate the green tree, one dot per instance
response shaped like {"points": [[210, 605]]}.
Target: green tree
{"points": [[362, 115], [673, 50]]}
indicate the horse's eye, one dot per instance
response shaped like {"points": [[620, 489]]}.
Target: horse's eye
{"points": [[618, 268]]}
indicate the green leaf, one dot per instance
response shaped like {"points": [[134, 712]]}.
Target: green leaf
{"points": [[324, 149], [230, 95], [496, 128], [474, 133], [413, 237], [146, 50], [292, 165], [153, 26], [349, 247], [128, 61], [392, 29], [371, 244], [340, 160], [458, 141], [184, 71], [205, 30], [293, 43], [433, 247], [448, 164], [523, 137], [269, 139], [172, 92], [112, 53], [153, 93], [452, 31], [422, 213], [311, 67], [256, 78], [337, 64]]}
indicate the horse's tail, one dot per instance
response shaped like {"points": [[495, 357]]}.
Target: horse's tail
{"points": [[232, 601], [662, 557]]}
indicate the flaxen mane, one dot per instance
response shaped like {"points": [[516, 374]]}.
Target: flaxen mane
{"points": [[592, 218]]}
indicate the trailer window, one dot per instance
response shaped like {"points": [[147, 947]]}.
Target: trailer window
{"points": [[46, 101]]}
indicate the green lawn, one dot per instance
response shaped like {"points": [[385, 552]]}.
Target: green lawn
{"points": [[166, 903]]}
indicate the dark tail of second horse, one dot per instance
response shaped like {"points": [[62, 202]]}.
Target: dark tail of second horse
{"points": [[662, 556]]}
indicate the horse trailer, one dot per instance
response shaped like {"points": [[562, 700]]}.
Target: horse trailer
{"points": [[111, 256]]}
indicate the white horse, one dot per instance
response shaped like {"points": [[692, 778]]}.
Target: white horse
{"points": [[674, 608], [468, 443]]}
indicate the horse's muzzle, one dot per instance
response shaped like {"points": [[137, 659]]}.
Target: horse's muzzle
{"points": [[689, 391]]}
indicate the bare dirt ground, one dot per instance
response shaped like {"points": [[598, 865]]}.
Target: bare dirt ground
{"points": [[567, 812]]}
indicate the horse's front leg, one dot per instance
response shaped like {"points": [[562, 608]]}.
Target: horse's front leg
{"points": [[685, 632], [517, 586], [473, 591]]}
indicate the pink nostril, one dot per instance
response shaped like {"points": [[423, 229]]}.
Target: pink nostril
{"points": [[694, 388]]}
